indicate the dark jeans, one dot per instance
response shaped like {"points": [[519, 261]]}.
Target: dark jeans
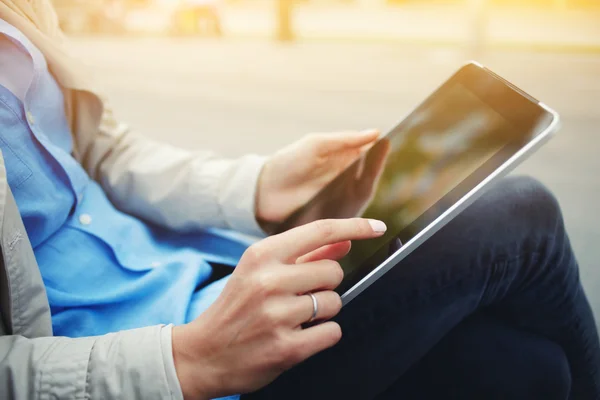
{"points": [[491, 307]]}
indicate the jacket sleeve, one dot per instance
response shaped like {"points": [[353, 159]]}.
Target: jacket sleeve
{"points": [[135, 364], [176, 188]]}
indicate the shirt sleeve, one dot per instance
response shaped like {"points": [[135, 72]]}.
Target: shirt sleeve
{"points": [[169, 363], [125, 365], [176, 188]]}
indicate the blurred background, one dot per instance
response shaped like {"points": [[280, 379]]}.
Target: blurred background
{"points": [[253, 75]]}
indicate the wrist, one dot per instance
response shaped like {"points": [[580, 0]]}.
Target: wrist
{"points": [[261, 209], [192, 380], [271, 198]]}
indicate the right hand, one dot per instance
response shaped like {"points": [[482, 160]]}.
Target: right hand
{"points": [[253, 332]]}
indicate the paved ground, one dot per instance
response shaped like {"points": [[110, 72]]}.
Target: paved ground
{"points": [[239, 97]]}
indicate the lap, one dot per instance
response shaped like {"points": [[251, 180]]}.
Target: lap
{"points": [[486, 358], [401, 317]]}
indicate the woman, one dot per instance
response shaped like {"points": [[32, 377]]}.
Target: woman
{"points": [[118, 225]]}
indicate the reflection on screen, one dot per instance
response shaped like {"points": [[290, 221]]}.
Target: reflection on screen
{"points": [[411, 169]]}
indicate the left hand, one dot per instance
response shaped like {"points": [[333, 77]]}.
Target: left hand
{"points": [[293, 175]]}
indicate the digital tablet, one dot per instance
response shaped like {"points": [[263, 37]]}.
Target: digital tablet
{"points": [[468, 134]]}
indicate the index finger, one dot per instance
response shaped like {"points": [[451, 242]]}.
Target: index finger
{"points": [[290, 245], [347, 140]]}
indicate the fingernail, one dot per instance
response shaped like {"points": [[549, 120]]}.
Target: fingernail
{"points": [[377, 226]]}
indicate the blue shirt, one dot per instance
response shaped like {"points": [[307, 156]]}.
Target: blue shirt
{"points": [[104, 270]]}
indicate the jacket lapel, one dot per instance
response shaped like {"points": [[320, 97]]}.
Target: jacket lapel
{"points": [[24, 304]]}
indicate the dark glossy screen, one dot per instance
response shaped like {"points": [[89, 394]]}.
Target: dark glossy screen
{"points": [[416, 172]]}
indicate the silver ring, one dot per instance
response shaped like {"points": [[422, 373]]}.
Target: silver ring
{"points": [[315, 307]]}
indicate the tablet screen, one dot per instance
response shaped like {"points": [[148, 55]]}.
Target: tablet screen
{"points": [[418, 170]]}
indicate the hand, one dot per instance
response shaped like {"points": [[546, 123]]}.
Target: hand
{"points": [[293, 175], [253, 332], [352, 192]]}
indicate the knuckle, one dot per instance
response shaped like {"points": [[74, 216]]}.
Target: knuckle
{"points": [[313, 140], [337, 272], [336, 301], [265, 285], [270, 318], [325, 227], [363, 227], [332, 272], [255, 254]]}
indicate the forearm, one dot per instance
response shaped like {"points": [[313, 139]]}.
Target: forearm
{"points": [[129, 365], [179, 189]]}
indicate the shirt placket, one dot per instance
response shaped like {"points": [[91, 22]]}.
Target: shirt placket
{"points": [[77, 178]]}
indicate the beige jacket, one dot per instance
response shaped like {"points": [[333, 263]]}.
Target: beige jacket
{"points": [[178, 189]]}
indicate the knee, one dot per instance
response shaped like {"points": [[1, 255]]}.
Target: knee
{"points": [[545, 374], [556, 380], [548, 372], [484, 357], [527, 200]]}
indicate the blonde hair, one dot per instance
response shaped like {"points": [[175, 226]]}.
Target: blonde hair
{"points": [[40, 13], [37, 20]]}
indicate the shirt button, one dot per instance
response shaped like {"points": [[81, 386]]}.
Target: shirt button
{"points": [[156, 264], [30, 117], [85, 219]]}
